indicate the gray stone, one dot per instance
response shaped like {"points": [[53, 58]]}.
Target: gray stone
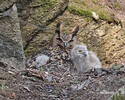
{"points": [[11, 48]]}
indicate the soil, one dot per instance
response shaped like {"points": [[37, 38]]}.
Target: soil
{"points": [[56, 81]]}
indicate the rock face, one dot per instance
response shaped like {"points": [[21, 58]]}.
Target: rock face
{"points": [[35, 16], [11, 49]]}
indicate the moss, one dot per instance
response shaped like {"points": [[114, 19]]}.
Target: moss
{"points": [[80, 2], [105, 16], [43, 11], [116, 6], [29, 51], [83, 3], [118, 96], [1, 1], [94, 1], [80, 12]]}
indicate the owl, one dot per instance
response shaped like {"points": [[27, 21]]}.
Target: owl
{"points": [[63, 40], [84, 60]]}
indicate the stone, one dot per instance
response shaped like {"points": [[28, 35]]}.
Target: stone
{"points": [[11, 48]]}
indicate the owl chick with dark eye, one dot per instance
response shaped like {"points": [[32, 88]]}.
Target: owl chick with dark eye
{"points": [[83, 59], [63, 40]]}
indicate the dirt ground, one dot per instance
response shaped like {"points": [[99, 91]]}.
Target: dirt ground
{"points": [[55, 81]]}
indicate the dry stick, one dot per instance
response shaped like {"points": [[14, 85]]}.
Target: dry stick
{"points": [[82, 85], [64, 74], [60, 84], [30, 72]]}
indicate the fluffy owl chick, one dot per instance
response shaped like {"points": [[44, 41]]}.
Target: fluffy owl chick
{"points": [[83, 59], [41, 60]]}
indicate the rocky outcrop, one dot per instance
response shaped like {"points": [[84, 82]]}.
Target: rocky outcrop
{"points": [[11, 48], [35, 16]]}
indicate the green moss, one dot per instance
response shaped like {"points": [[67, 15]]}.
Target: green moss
{"points": [[116, 6], [118, 96], [94, 1], [43, 11], [80, 2], [83, 3], [105, 16], [1, 1], [29, 51], [80, 12]]}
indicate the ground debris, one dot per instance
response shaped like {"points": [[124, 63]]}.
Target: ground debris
{"points": [[55, 81]]}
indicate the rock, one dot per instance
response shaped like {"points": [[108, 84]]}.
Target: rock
{"points": [[35, 16], [95, 16], [11, 48], [100, 33]]}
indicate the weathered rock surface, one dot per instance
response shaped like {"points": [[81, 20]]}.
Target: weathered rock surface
{"points": [[35, 16], [11, 48]]}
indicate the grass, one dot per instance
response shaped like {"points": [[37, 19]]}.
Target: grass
{"points": [[94, 1], [81, 8], [1, 1], [3, 86], [47, 6], [80, 12], [30, 51], [116, 6], [118, 96], [82, 2], [103, 15]]}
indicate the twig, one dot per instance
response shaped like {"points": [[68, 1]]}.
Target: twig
{"points": [[82, 85], [64, 74]]}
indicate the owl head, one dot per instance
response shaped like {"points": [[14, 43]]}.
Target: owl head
{"points": [[79, 51], [64, 40]]}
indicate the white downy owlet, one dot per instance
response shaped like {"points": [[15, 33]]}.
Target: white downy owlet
{"points": [[83, 59]]}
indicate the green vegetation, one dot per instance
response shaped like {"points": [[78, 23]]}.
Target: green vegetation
{"points": [[44, 7], [1, 1], [105, 16], [118, 96], [30, 51], [81, 8], [3, 86], [82, 2], [116, 6], [80, 12], [117, 67], [94, 1]]}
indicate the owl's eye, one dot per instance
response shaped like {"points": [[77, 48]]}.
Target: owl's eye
{"points": [[71, 41], [80, 51]]}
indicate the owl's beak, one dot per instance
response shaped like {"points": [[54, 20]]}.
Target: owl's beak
{"points": [[65, 44], [84, 54]]}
